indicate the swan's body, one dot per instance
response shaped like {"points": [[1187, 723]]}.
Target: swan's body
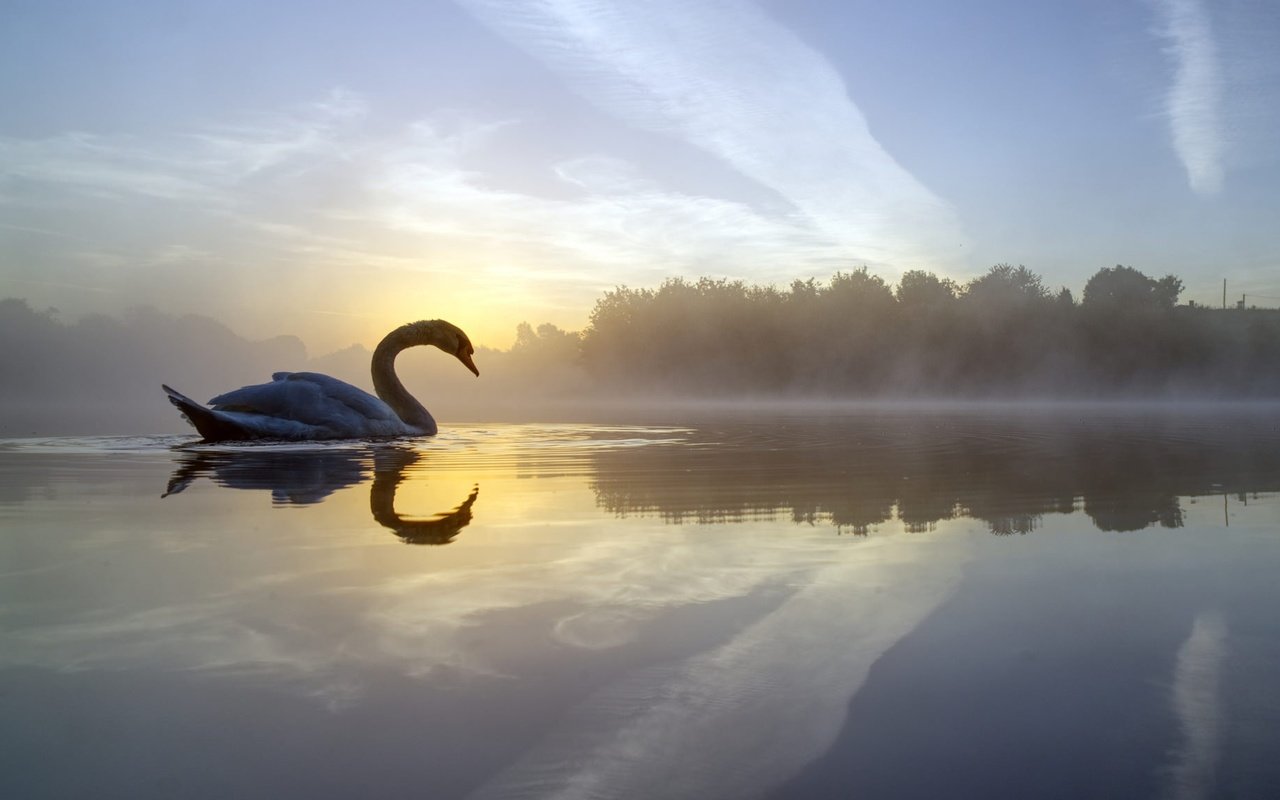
{"points": [[308, 405]]}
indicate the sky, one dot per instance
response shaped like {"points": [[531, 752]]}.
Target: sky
{"points": [[330, 169]]}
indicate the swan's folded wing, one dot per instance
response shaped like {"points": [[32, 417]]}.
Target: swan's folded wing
{"points": [[306, 397], [355, 398]]}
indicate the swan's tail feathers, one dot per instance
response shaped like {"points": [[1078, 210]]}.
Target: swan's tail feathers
{"points": [[208, 423]]}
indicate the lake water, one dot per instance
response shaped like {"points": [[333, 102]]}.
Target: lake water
{"points": [[1068, 603]]}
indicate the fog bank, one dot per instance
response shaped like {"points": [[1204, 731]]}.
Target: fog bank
{"points": [[101, 375], [688, 346]]}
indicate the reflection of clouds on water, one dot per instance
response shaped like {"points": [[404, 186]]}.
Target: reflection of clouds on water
{"points": [[593, 592], [650, 636], [771, 698], [599, 628], [209, 637], [273, 611], [1198, 705], [604, 589]]}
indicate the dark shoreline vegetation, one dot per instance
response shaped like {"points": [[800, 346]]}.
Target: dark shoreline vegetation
{"points": [[1003, 334], [853, 338]]}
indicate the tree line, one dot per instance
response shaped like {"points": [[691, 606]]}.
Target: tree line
{"points": [[1004, 333]]}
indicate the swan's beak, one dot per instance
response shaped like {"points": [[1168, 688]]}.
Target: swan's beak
{"points": [[465, 358]]}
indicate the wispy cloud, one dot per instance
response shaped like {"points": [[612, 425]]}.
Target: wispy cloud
{"points": [[311, 187], [613, 228], [1193, 102], [728, 79], [203, 165], [315, 195], [106, 166]]}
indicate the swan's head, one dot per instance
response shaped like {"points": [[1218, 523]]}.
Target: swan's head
{"points": [[448, 337]]}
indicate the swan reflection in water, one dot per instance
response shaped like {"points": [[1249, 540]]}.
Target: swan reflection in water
{"points": [[307, 477], [388, 473]]}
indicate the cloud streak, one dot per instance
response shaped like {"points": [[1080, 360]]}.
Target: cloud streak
{"points": [[734, 83], [615, 222], [1194, 99], [1197, 702], [310, 191], [203, 166]]}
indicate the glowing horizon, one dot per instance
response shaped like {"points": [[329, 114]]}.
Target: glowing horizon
{"points": [[494, 163]]}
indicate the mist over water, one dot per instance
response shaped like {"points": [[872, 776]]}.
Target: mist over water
{"points": [[102, 375], [1003, 337]]}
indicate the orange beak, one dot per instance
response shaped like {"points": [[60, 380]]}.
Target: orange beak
{"points": [[464, 356]]}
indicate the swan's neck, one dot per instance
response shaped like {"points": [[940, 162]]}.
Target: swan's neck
{"points": [[388, 386]]}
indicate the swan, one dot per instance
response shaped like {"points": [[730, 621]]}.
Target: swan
{"points": [[303, 406]]}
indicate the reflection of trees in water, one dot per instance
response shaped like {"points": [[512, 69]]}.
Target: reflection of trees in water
{"points": [[1007, 526], [1154, 509], [306, 477], [1125, 472]]}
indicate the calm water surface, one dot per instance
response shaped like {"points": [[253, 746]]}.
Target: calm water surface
{"points": [[1059, 604]]}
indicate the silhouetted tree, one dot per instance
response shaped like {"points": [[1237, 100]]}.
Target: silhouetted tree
{"points": [[923, 292], [1121, 286], [1005, 285], [547, 344]]}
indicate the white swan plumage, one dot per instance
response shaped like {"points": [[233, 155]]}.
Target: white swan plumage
{"points": [[303, 406]]}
